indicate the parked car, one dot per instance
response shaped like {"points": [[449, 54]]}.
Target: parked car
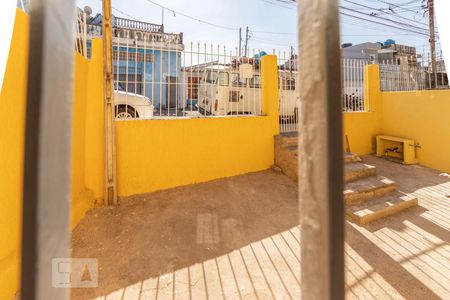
{"points": [[132, 106]]}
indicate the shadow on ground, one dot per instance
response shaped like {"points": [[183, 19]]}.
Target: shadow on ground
{"points": [[254, 217], [150, 235]]}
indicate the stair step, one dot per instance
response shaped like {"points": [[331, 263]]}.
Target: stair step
{"points": [[364, 189], [355, 171], [382, 207], [350, 157], [286, 158], [287, 139]]}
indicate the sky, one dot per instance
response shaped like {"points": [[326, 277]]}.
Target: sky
{"points": [[264, 17]]}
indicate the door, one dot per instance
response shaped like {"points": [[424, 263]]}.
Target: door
{"points": [[171, 92]]}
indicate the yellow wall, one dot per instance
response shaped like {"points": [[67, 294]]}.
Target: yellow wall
{"points": [[12, 128], [87, 150], [87, 133], [82, 198], [420, 115], [423, 116], [95, 137], [160, 154], [361, 128]]}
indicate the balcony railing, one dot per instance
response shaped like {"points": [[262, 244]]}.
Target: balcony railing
{"points": [[138, 34], [137, 25]]}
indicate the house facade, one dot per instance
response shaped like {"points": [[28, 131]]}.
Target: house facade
{"points": [[146, 60]]}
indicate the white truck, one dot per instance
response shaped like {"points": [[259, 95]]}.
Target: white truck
{"points": [[224, 90]]}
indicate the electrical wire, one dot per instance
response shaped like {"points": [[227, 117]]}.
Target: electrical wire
{"points": [[192, 18]]}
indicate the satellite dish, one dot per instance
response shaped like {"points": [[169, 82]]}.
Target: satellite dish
{"points": [[87, 10]]}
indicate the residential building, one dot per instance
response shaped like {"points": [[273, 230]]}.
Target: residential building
{"points": [[147, 60], [379, 52]]}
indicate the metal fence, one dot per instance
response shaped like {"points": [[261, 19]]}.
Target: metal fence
{"points": [[398, 77], [157, 76], [80, 32], [289, 96], [353, 85], [288, 91]]}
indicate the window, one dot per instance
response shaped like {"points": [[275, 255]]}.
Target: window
{"points": [[255, 82], [132, 56], [211, 76], [234, 96], [223, 78], [288, 84], [236, 80]]}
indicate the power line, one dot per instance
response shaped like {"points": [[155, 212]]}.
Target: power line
{"points": [[385, 19], [405, 26], [384, 24], [381, 10], [192, 18]]}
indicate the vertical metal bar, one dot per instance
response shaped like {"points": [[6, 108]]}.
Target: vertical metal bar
{"points": [[191, 90], [84, 35], [136, 48], [321, 158], [204, 85], [46, 205], [144, 73], [110, 143], [127, 68], [168, 78], [160, 74], [117, 68]]}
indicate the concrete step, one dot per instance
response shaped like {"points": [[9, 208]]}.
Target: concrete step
{"points": [[355, 171], [367, 188], [350, 157], [375, 209], [286, 139], [286, 158]]}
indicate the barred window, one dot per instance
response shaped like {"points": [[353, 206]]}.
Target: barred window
{"points": [[132, 56]]}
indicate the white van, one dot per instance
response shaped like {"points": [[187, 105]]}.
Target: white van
{"points": [[223, 91]]}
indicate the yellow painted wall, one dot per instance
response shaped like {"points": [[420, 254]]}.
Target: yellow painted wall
{"points": [[95, 137], [82, 197], [160, 154], [420, 115], [87, 149], [361, 128], [423, 116], [12, 129]]}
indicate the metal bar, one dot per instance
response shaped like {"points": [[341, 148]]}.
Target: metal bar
{"points": [[108, 87], [321, 158], [46, 182]]}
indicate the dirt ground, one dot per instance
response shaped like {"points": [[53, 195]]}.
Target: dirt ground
{"points": [[237, 238]]}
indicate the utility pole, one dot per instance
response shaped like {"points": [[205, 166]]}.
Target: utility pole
{"points": [[246, 41], [432, 35], [240, 41], [110, 142]]}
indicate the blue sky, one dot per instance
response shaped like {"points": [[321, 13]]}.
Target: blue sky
{"points": [[266, 16]]}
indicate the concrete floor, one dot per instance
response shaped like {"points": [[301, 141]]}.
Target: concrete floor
{"points": [[237, 238]]}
